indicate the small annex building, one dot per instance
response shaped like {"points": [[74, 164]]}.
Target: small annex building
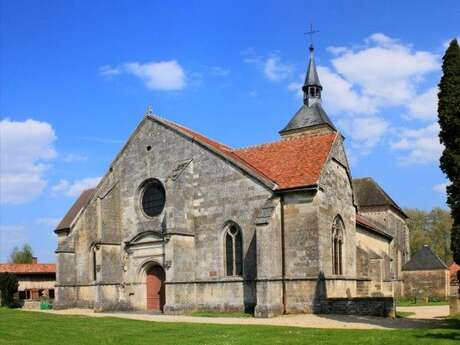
{"points": [[181, 222], [425, 275], [35, 279]]}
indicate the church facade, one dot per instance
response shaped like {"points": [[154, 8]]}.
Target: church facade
{"points": [[181, 222]]}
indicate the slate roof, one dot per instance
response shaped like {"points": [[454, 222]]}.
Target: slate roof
{"points": [[308, 117], [312, 74], [369, 193], [73, 212], [424, 259], [372, 226], [28, 268]]}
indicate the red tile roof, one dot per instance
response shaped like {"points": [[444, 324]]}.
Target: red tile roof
{"points": [[453, 269], [284, 164], [28, 268], [290, 163]]}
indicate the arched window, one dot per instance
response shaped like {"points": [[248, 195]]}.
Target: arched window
{"points": [[93, 252], [233, 250], [337, 244]]}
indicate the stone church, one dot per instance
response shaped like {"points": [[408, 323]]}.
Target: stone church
{"points": [[181, 222]]}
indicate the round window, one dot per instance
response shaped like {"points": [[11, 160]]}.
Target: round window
{"points": [[153, 198]]}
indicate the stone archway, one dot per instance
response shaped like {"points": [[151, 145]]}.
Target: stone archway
{"points": [[155, 287]]}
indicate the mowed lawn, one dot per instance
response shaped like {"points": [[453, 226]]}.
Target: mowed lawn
{"points": [[21, 327]]}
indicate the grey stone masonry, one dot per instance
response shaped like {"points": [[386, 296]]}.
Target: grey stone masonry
{"points": [[287, 248]]}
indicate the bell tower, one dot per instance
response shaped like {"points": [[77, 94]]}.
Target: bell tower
{"points": [[311, 118], [312, 87]]}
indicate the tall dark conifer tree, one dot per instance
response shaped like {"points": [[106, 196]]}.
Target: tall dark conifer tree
{"points": [[449, 120]]}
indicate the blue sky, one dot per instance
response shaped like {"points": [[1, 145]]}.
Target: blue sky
{"points": [[77, 76]]}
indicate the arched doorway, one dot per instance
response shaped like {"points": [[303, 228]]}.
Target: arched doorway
{"points": [[155, 288]]}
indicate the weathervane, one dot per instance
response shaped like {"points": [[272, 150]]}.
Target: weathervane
{"points": [[311, 33]]}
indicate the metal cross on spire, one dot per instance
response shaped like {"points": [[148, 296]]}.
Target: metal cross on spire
{"points": [[311, 33]]}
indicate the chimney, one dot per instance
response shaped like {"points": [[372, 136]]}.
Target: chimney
{"points": [[34, 259]]}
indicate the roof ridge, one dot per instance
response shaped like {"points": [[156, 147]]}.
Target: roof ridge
{"points": [[173, 123], [294, 138], [435, 254]]}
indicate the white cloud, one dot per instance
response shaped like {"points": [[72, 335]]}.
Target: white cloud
{"points": [[339, 94], [386, 69], [420, 145], [368, 80], [72, 157], [424, 106], [440, 188], [337, 50], [276, 70], [163, 75], [272, 67], [365, 132], [108, 70], [342, 97], [157, 75], [75, 188], [48, 221], [24, 147], [11, 236]]}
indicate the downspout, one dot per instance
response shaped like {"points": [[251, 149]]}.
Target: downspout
{"points": [[283, 255]]}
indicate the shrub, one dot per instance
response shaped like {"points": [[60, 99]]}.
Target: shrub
{"points": [[8, 286]]}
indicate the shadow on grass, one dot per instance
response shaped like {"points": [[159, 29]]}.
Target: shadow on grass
{"points": [[443, 336], [397, 323]]}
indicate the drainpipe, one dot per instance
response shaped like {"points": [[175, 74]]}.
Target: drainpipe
{"points": [[283, 255]]}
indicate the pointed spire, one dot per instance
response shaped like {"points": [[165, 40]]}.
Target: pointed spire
{"points": [[311, 117], [312, 86]]}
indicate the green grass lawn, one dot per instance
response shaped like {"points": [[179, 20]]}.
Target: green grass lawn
{"points": [[403, 314], [411, 303], [22, 328]]}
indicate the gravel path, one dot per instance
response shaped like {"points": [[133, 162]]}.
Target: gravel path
{"points": [[424, 317], [427, 312]]}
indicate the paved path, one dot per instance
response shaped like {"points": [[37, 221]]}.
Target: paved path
{"points": [[425, 317], [427, 312]]}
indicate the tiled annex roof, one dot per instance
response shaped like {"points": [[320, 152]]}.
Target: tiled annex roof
{"points": [[73, 212], [288, 163], [28, 268], [370, 225], [424, 259]]}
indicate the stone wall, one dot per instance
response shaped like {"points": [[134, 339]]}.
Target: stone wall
{"points": [[426, 284], [375, 306], [203, 193]]}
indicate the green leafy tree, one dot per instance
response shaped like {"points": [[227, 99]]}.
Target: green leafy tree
{"points": [[430, 227], [449, 121], [22, 256], [8, 286]]}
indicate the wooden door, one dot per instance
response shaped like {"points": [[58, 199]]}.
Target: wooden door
{"points": [[155, 289]]}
